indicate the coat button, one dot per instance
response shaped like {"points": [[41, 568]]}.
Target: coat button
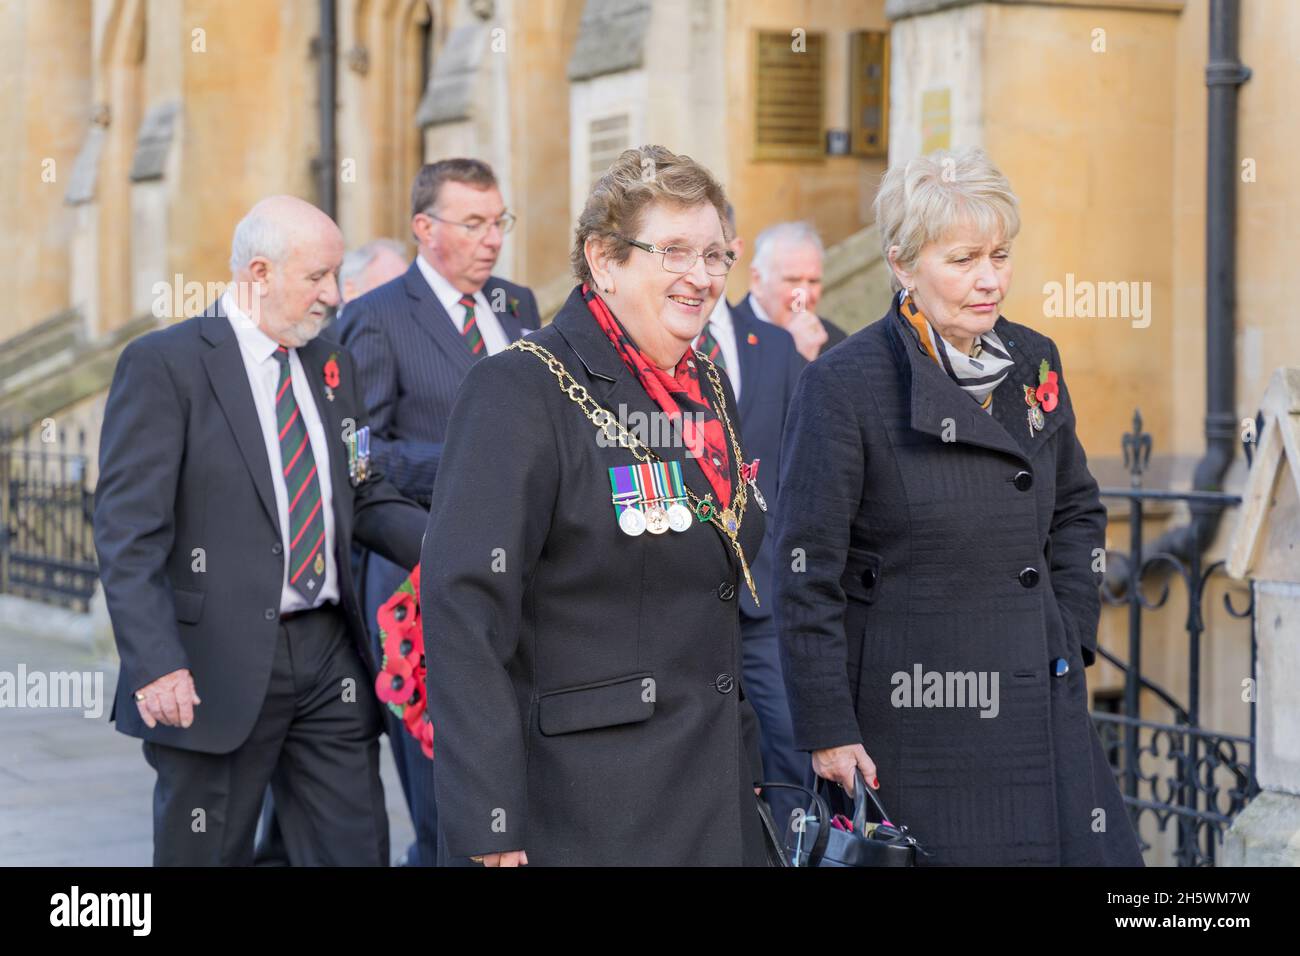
{"points": [[1029, 577], [270, 614], [277, 548], [723, 683], [1061, 667], [1023, 481], [726, 591], [869, 578]]}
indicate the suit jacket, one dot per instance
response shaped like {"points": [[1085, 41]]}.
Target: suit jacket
{"points": [[769, 369], [942, 539], [412, 360], [835, 335], [190, 551], [583, 684]]}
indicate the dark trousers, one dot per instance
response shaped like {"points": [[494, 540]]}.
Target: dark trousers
{"points": [[765, 689], [315, 742], [382, 578]]}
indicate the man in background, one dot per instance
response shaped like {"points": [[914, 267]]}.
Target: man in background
{"points": [[785, 285], [414, 339]]}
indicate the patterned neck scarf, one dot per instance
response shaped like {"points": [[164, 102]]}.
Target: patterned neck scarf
{"points": [[674, 394], [978, 374]]}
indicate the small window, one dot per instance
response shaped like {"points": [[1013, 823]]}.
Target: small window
{"points": [[788, 102], [606, 139], [869, 93]]}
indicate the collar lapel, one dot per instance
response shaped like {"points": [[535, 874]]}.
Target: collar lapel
{"points": [[751, 358], [224, 364], [1009, 406], [510, 324], [433, 319], [940, 408]]}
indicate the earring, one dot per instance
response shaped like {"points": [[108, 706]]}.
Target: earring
{"points": [[607, 291]]}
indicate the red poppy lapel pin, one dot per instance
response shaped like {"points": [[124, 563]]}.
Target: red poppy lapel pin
{"points": [[1042, 399], [331, 375], [752, 339]]}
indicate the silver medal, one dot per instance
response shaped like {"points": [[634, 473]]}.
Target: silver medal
{"points": [[758, 496], [632, 522], [679, 517]]}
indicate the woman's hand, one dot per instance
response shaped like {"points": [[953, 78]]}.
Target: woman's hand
{"points": [[509, 858], [838, 763]]}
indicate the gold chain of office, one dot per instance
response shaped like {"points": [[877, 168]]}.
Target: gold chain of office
{"points": [[728, 520]]}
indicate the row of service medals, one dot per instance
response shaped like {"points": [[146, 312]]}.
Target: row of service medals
{"points": [[359, 455], [650, 496]]}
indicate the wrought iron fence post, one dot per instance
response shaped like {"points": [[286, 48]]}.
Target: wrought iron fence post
{"points": [[1137, 452]]}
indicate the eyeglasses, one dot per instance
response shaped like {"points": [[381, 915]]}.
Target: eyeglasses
{"points": [[478, 230], [717, 262]]}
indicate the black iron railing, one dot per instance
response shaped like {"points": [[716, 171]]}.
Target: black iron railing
{"points": [[1176, 773], [47, 549]]}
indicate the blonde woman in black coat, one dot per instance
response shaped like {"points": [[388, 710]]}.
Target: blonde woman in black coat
{"points": [[937, 540]]}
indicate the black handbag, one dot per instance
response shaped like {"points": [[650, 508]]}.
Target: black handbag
{"points": [[816, 838]]}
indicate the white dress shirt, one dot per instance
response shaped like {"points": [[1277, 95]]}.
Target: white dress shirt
{"points": [[724, 330], [758, 309], [494, 337], [258, 350]]}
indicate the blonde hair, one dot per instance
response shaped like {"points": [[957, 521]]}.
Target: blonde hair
{"points": [[636, 180], [924, 199]]}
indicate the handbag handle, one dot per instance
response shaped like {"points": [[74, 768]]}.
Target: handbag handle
{"points": [[823, 818], [861, 794]]}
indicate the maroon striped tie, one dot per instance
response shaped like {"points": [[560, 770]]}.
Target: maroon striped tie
{"points": [[707, 344], [473, 337], [306, 517]]}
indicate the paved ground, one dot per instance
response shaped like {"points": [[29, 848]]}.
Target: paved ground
{"points": [[75, 792]]}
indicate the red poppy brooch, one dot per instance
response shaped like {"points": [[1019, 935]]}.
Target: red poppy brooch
{"points": [[1044, 398], [331, 375]]}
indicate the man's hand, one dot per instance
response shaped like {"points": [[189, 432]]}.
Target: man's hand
{"points": [[170, 700], [838, 763], [509, 858], [809, 334]]}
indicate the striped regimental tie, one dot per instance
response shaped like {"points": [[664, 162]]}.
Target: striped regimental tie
{"points": [[707, 344], [306, 519], [473, 337]]}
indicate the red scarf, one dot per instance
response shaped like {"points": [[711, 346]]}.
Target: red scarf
{"points": [[673, 393]]}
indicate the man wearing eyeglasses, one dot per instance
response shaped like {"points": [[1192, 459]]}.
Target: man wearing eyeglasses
{"points": [[414, 339]]}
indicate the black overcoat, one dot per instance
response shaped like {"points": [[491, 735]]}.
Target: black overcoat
{"points": [[917, 530], [583, 684]]}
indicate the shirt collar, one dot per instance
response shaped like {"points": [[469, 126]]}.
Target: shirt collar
{"points": [[448, 295], [758, 309], [251, 338], [721, 314]]}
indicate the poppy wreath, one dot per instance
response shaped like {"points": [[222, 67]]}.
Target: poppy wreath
{"points": [[401, 681]]}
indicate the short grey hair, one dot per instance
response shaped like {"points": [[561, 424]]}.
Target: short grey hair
{"points": [[258, 234], [923, 200], [356, 261], [783, 235]]}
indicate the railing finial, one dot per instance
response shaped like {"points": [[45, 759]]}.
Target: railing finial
{"points": [[1137, 450]]}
